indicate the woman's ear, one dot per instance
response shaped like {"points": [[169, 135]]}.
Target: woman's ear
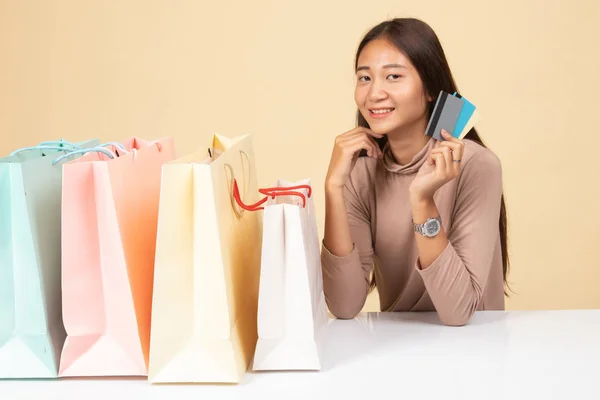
{"points": [[427, 96]]}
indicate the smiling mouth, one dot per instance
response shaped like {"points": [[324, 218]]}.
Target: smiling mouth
{"points": [[381, 112]]}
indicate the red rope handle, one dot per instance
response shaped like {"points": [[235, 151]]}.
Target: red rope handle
{"points": [[252, 207], [270, 192], [286, 188], [286, 193]]}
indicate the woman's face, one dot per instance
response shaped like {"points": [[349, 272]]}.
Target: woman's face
{"points": [[389, 92]]}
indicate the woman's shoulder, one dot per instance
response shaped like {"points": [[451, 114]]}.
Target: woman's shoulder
{"points": [[479, 164], [479, 157]]}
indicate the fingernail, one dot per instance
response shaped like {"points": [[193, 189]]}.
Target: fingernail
{"points": [[445, 133]]}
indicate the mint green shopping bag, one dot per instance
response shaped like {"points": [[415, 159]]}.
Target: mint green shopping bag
{"points": [[31, 329]]}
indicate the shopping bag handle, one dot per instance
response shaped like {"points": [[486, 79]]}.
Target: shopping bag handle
{"points": [[116, 144], [61, 143], [122, 148], [119, 147], [270, 192], [40, 147], [89, 150], [64, 145]]}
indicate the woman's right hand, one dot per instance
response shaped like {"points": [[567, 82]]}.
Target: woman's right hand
{"points": [[345, 153]]}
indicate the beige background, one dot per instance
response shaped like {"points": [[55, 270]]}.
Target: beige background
{"points": [[282, 71]]}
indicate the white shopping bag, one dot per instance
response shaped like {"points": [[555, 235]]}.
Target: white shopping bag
{"points": [[292, 313]]}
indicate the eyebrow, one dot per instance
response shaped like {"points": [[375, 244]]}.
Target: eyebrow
{"points": [[364, 67]]}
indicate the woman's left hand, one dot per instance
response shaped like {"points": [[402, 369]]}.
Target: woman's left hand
{"points": [[442, 165]]}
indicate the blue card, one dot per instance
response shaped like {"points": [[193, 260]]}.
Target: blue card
{"points": [[465, 115]]}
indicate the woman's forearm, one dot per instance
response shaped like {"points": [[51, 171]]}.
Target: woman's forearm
{"points": [[337, 238], [429, 248]]}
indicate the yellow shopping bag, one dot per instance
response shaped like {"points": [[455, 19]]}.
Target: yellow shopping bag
{"points": [[207, 267]]}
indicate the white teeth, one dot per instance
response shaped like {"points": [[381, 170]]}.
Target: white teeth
{"points": [[387, 110]]}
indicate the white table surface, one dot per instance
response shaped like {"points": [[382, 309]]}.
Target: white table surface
{"points": [[498, 355]]}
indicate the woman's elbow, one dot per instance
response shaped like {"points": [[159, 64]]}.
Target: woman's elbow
{"points": [[458, 318], [345, 309]]}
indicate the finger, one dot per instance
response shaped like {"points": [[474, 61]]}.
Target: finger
{"points": [[456, 145], [442, 150], [446, 135], [458, 148], [357, 135], [361, 142], [349, 135], [371, 133], [362, 129], [456, 166], [454, 150], [447, 153], [430, 159], [362, 136], [353, 136], [440, 163], [354, 148], [433, 154], [452, 145], [376, 151], [354, 133], [456, 159]]}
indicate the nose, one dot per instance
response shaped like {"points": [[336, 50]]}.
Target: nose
{"points": [[376, 91]]}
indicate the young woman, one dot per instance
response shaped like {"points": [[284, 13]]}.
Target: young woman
{"points": [[427, 217]]}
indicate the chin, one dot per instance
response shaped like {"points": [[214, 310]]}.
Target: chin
{"points": [[384, 127]]}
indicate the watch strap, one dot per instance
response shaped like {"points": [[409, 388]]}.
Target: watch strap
{"points": [[419, 228]]}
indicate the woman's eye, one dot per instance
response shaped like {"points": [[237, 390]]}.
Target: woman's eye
{"points": [[394, 76], [363, 79]]}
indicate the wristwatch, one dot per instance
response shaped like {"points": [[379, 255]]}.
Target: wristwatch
{"points": [[430, 228]]}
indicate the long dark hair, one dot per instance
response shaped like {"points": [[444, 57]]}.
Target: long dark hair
{"points": [[417, 40]]}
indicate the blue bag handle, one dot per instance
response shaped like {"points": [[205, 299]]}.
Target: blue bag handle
{"points": [[91, 149], [41, 147], [116, 144], [61, 143]]}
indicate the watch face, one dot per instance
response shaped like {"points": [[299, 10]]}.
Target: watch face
{"points": [[432, 228]]}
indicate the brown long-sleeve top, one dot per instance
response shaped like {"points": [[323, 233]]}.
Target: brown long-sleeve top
{"points": [[467, 276]]}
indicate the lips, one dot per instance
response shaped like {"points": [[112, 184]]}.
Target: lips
{"points": [[380, 112]]}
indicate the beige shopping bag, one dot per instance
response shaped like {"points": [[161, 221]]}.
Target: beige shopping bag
{"points": [[207, 266]]}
